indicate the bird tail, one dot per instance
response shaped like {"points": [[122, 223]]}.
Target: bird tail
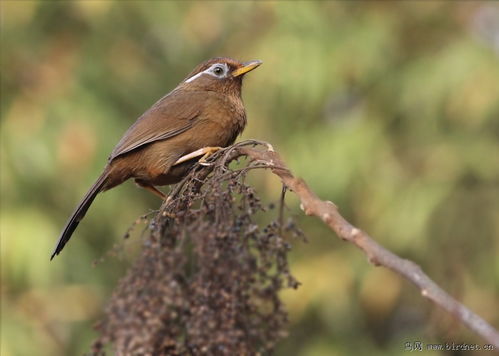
{"points": [[79, 213]]}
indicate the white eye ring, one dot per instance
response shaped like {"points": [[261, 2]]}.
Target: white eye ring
{"points": [[217, 70]]}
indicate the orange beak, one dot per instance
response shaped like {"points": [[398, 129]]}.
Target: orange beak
{"points": [[247, 67]]}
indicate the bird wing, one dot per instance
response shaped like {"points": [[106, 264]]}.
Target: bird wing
{"points": [[168, 117]]}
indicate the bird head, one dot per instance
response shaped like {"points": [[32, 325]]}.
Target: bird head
{"points": [[219, 74]]}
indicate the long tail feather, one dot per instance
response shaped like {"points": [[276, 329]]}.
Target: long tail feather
{"points": [[79, 213]]}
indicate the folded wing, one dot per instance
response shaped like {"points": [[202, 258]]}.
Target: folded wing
{"points": [[170, 116]]}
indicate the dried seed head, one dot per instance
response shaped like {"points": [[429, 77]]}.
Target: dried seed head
{"points": [[208, 278]]}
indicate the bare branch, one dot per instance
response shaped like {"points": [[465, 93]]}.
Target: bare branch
{"points": [[377, 254]]}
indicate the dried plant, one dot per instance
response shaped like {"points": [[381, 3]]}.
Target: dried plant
{"points": [[208, 279]]}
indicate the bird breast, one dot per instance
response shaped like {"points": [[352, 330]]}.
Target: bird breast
{"points": [[224, 118]]}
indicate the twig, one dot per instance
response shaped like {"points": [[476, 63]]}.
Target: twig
{"points": [[311, 204], [281, 208]]}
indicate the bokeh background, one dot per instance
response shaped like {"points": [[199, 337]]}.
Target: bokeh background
{"points": [[389, 109]]}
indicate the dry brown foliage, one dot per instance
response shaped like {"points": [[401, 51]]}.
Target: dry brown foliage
{"points": [[208, 279]]}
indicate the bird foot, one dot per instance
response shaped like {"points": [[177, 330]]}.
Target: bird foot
{"points": [[205, 152]]}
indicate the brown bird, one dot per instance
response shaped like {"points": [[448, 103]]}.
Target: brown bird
{"points": [[202, 114]]}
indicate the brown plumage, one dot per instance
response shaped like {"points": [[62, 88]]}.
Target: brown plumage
{"points": [[205, 110]]}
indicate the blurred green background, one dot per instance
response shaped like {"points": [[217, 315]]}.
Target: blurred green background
{"points": [[389, 109]]}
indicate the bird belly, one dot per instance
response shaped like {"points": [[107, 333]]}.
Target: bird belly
{"points": [[163, 172]]}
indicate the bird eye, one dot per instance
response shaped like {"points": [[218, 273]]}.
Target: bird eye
{"points": [[218, 71]]}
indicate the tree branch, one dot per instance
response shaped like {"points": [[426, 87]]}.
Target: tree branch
{"points": [[312, 205]]}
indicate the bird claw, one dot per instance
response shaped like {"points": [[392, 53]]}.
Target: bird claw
{"points": [[205, 152]]}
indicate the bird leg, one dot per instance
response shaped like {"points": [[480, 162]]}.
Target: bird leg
{"points": [[150, 188], [205, 152]]}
